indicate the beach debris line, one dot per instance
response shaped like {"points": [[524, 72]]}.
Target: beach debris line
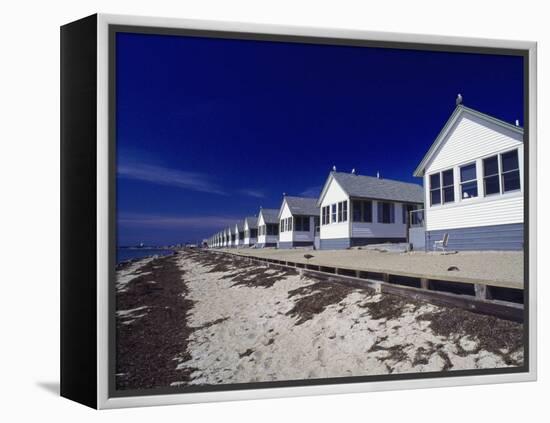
{"points": [[151, 326]]}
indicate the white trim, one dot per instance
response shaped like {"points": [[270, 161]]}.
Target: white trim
{"points": [[102, 216]]}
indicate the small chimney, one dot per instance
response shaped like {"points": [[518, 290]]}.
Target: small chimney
{"points": [[517, 122]]}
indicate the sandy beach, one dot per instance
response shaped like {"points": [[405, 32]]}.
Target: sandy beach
{"points": [[203, 318]]}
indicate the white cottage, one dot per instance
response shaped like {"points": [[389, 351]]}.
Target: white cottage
{"points": [[227, 242], [298, 220], [250, 231], [232, 236], [359, 210], [239, 234], [473, 179], [268, 228]]}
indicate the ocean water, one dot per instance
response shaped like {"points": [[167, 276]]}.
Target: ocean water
{"points": [[125, 254]]}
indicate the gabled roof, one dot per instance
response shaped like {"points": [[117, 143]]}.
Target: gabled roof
{"points": [[270, 215], [362, 186], [459, 111], [301, 206], [252, 222]]}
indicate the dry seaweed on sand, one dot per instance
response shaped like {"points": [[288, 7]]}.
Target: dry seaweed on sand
{"points": [[498, 336], [395, 353], [315, 298], [261, 276], [388, 307], [146, 347]]}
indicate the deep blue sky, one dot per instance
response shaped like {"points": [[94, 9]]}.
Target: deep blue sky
{"points": [[209, 130]]}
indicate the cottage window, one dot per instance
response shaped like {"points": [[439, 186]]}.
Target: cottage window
{"points": [[325, 215], [282, 225], [468, 181], [491, 183], [345, 211], [301, 223], [272, 229], [435, 189], [362, 211], [386, 212], [356, 211], [333, 213], [510, 171], [340, 211], [290, 223], [448, 186]]}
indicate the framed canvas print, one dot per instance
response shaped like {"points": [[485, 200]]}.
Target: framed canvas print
{"points": [[254, 211]]}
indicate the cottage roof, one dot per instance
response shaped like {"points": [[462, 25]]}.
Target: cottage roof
{"points": [[252, 222], [304, 206], [270, 215], [376, 188]]}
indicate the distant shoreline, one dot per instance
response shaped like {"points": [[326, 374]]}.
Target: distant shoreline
{"points": [[126, 256]]}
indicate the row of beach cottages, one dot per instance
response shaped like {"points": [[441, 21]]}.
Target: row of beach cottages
{"points": [[473, 183], [352, 210]]}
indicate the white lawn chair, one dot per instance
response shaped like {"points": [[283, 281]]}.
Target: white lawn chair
{"points": [[442, 244]]}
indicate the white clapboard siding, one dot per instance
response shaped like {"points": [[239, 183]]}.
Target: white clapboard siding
{"points": [[500, 210], [334, 194], [469, 139]]}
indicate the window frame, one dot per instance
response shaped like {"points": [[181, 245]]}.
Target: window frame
{"points": [[503, 172], [443, 186], [492, 175], [391, 215], [469, 181], [437, 189]]}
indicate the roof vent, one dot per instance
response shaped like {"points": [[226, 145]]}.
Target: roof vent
{"points": [[459, 99], [517, 122], [378, 175], [334, 168], [284, 194], [353, 171]]}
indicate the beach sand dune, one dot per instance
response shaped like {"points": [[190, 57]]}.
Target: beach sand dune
{"points": [[247, 322]]}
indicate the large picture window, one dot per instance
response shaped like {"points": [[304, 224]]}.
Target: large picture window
{"points": [[468, 181]]}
